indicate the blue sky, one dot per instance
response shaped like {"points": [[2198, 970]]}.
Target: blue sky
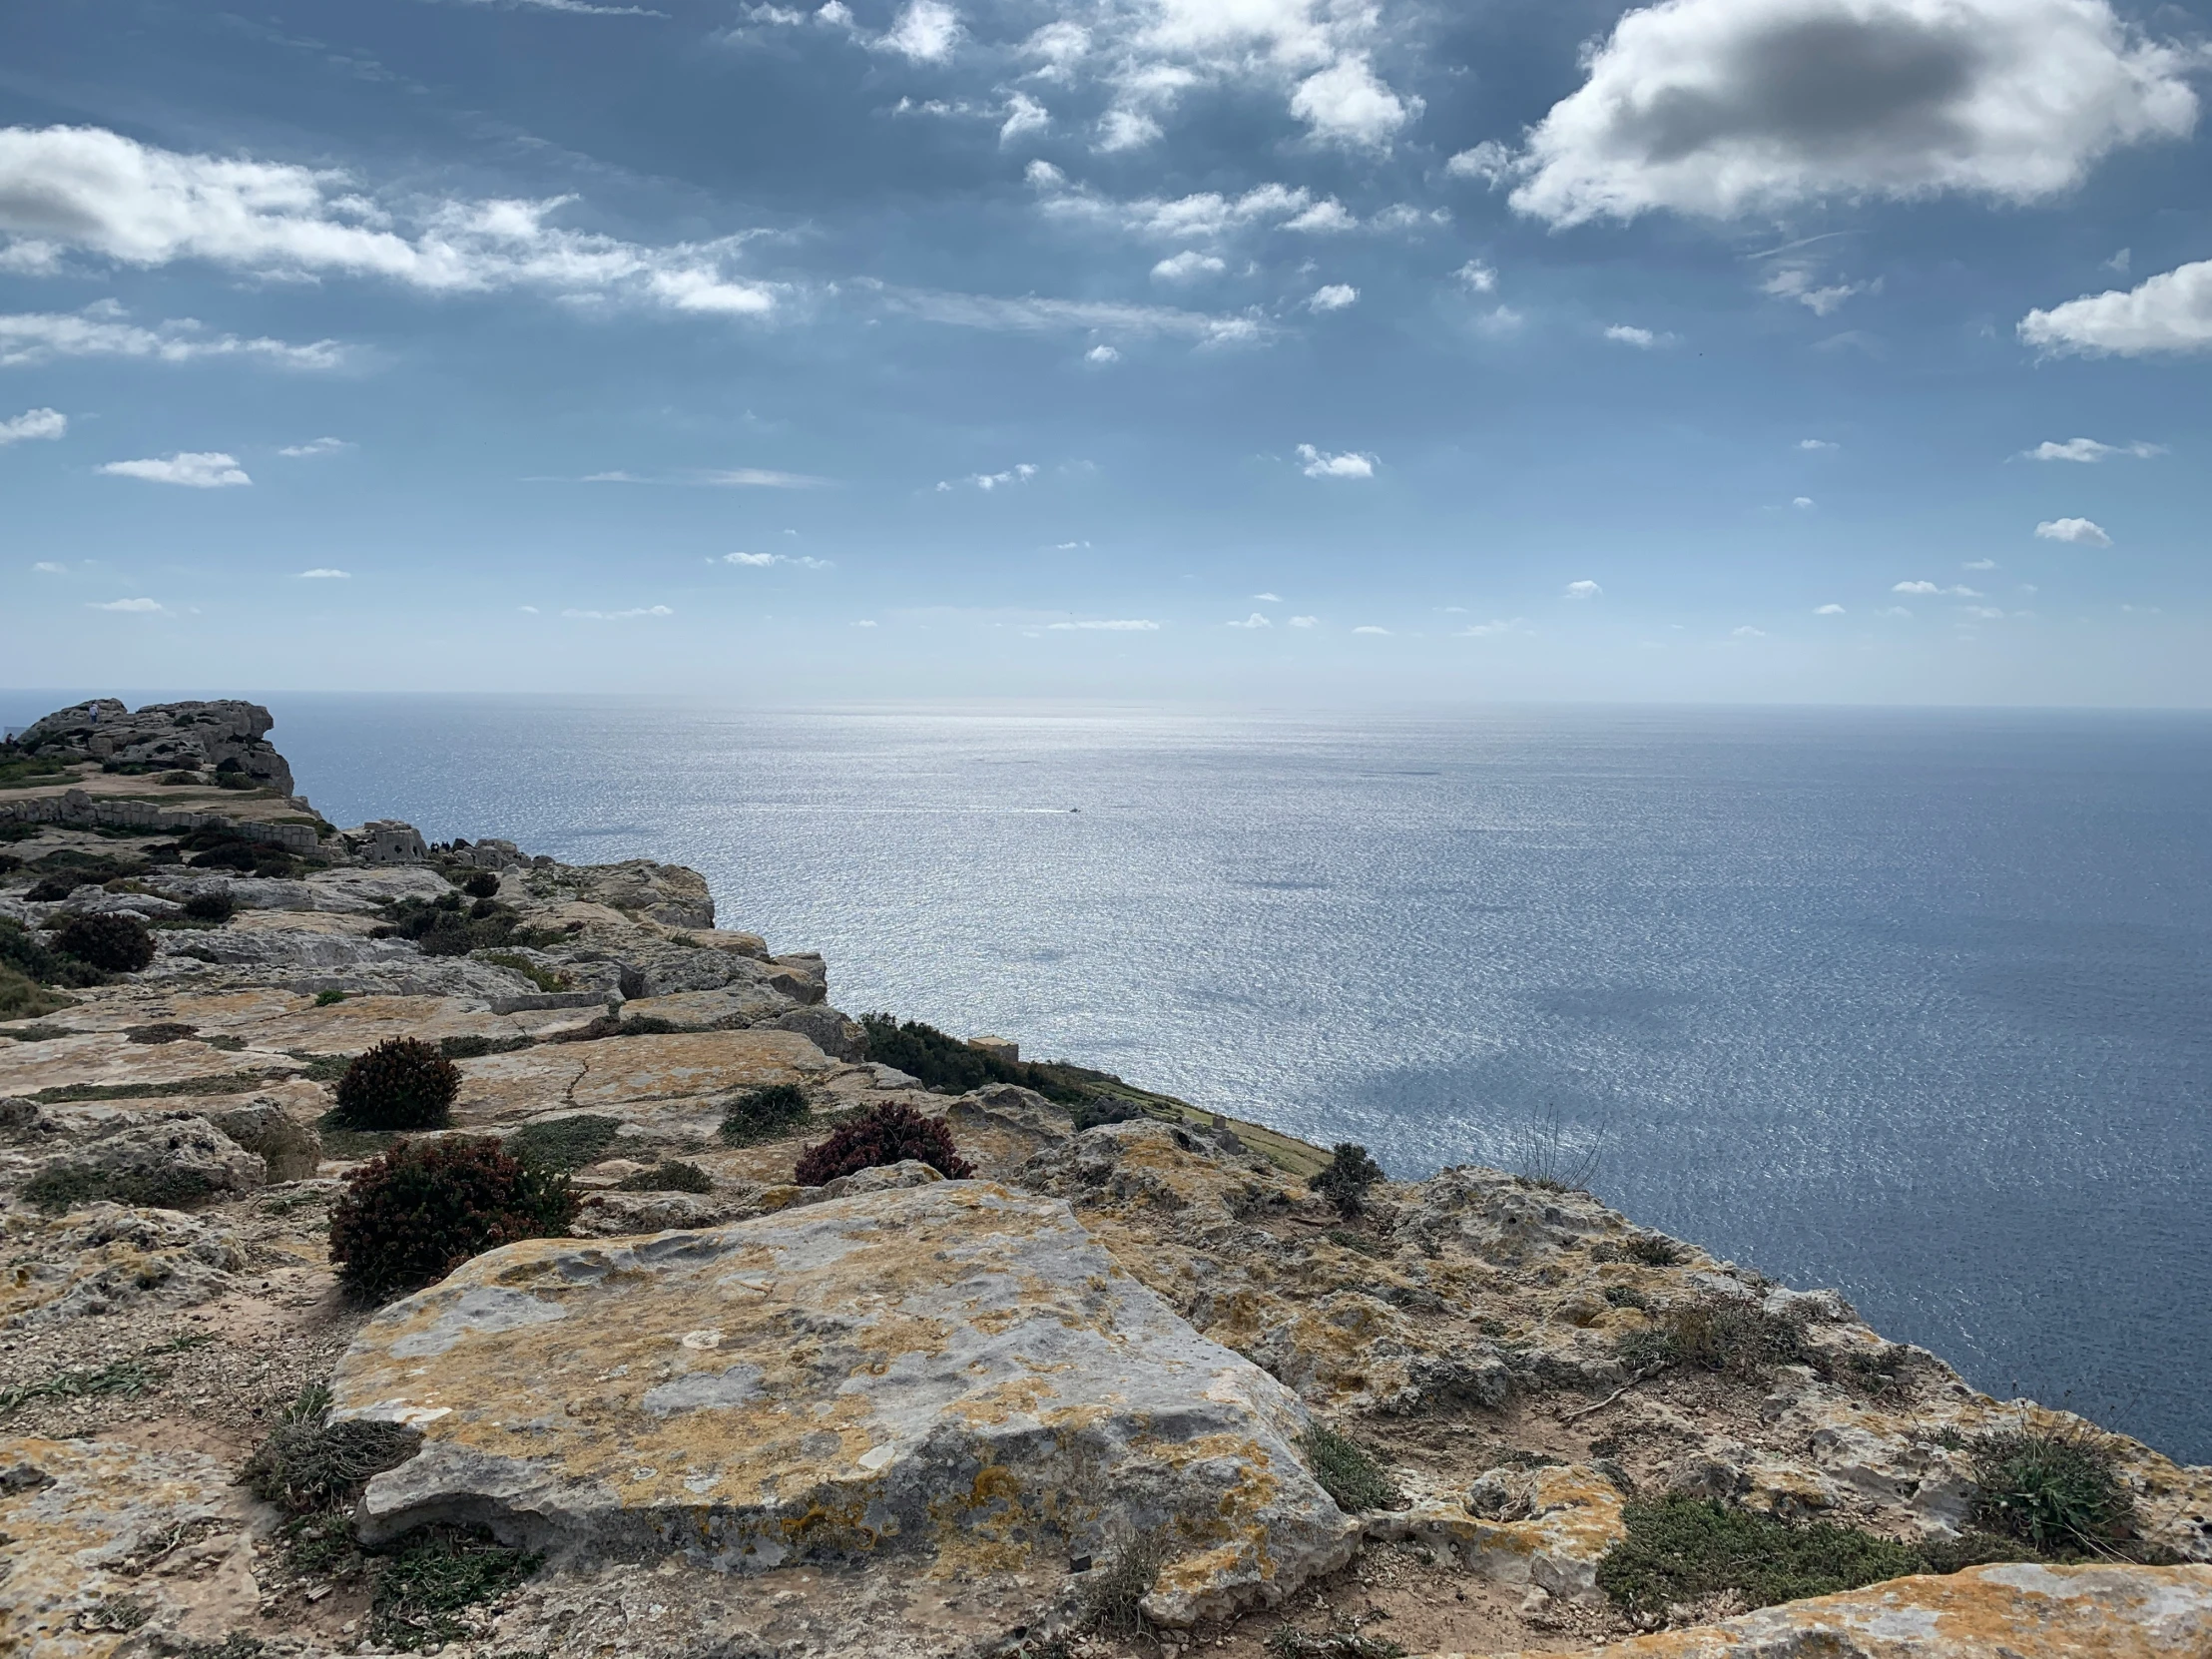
{"points": [[1276, 350]]}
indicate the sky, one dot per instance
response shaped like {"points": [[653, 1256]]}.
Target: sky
{"points": [[1766, 351]]}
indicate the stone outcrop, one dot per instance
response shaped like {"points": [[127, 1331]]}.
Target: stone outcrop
{"points": [[949, 1374], [106, 1257], [226, 736]]}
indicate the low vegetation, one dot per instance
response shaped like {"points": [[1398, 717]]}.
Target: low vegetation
{"points": [[886, 1133], [411, 1217], [763, 1115], [309, 1463], [1112, 1596], [61, 1187], [671, 1175], [1682, 1550], [428, 1583], [216, 906], [449, 925], [401, 1083], [950, 1066], [117, 942], [1344, 1180], [562, 1142], [1349, 1473], [2052, 1488], [1733, 1338]]}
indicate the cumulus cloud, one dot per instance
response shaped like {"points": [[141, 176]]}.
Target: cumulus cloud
{"points": [[1332, 297], [2171, 312], [1800, 280], [1828, 609], [620, 616], [1254, 620], [1347, 103], [2089, 451], [1957, 590], [88, 191], [1102, 356], [325, 573], [1188, 265], [133, 605], [1628, 335], [2081, 532], [200, 470], [1489, 161], [1582, 590], [41, 336], [1351, 464], [1325, 217], [315, 446], [1801, 501], [1024, 115], [33, 424], [1477, 276], [1134, 626], [925, 32], [1720, 108]]}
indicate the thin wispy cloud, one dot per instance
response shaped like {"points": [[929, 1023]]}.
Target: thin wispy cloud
{"points": [[1957, 590], [1133, 626], [764, 561], [313, 447], [32, 337], [1254, 620], [193, 469], [1584, 589], [133, 606], [326, 573], [2089, 451], [620, 616], [1332, 297]]}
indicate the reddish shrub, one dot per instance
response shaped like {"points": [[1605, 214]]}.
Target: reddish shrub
{"points": [[414, 1215], [882, 1135], [398, 1084]]}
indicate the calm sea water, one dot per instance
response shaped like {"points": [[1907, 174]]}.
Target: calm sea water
{"points": [[1918, 1004]]}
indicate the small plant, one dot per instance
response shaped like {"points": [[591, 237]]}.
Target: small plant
{"points": [[1344, 1180], [116, 942], [2053, 1488], [435, 1575], [1359, 1243], [61, 1187], [545, 978], [671, 1176], [400, 1084], [216, 906], [328, 999], [1555, 1156], [1111, 1603], [474, 1048], [1735, 1339], [308, 1463], [1650, 1250], [127, 1379], [1683, 1549], [1625, 1296], [1347, 1471], [1290, 1642], [884, 1134], [482, 884], [763, 1115], [562, 1142], [22, 997], [176, 779], [413, 1216]]}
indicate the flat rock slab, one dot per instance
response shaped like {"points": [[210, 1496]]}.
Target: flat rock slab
{"points": [[100, 1061], [953, 1374], [2017, 1611], [617, 1072]]}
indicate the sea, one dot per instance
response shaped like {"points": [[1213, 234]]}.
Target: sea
{"points": [[1912, 1003]]}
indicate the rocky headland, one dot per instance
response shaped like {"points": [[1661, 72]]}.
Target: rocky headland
{"points": [[1051, 1366]]}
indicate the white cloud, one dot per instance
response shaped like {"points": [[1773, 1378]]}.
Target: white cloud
{"points": [[41, 336], [325, 573], [200, 470], [1370, 628], [1188, 265], [1501, 321], [1347, 104], [2081, 532], [1478, 278], [1746, 632], [1305, 622], [1131, 627], [761, 561], [2171, 312], [1102, 355], [87, 190], [1332, 297], [1494, 627], [1030, 315], [1269, 598], [1584, 589], [137, 606], [1957, 590], [758, 479], [1980, 564], [1815, 444], [1489, 161], [1628, 335], [1728, 107], [1069, 546], [317, 446], [2089, 451], [1798, 281], [864, 621], [1983, 613], [1350, 464], [1801, 501], [47, 567], [1254, 620], [1324, 217], [33, 424], [1020, 473], [926, 32], [1893, 609], [620, 616], [1024, 115], [1828, 609]]}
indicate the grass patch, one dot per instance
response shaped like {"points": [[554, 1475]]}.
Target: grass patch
{"points": [[1110, 1601], [125, 1379], [1731, 1339], [472, 1047], [322, 1068], [2053, 1489], [328, 999], [67, 1186], [435, 1577], [31, 771], [228, 1082], [340, 1142], [22, 997], [1347, 1471], [308, 1463], [764, 1115], [1684, 1549], [1290, 1642], [1650, 1250], [672, 1175], [563, 1143]]}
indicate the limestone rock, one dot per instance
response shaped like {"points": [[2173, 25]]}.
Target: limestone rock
{"points": [[2016, 1611], [619, 1215], [185, 1155], [836, 1036], [952, 1375], [666, 894], [104, 1257], [290, 1150], [1545, 1527], [384, 841], [189, 736]]}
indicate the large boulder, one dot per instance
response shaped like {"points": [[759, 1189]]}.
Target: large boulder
{"points": [[227, 735], [170, 1163], [949, 1374], [290, 1150]]}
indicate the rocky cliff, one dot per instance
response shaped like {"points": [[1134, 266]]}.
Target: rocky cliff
{"points": [[1136, 1383]]}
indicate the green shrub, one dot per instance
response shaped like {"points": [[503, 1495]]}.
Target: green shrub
{"points": [[328, 999], [67, 1186], [400, 1084], [1734, 1339], [482, 884], [1683, 1549], [414, 1215], [308, 1463], [886, 1133], [938, 1061], [1347, 1471], [213, 906], [562, 1142], [22, 997], [763, 1115], [2053, 1488], [1651, 1250], [473, 1047], [117, 942], [1346, 1179], [434, 1576], [234, 780], [545, 978], [18, 769], [671, 1176]]}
